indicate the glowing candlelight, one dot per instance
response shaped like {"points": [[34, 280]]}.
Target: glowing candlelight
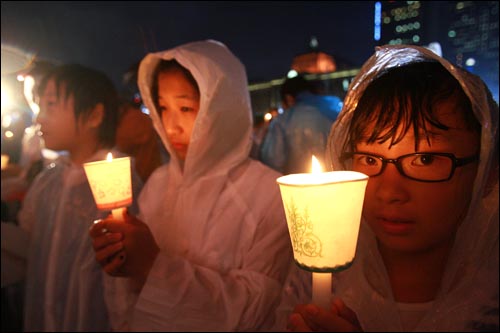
{"points": [[5, 161], [316, 166], [323, 211], [110, 182]]}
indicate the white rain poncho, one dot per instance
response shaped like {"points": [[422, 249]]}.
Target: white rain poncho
{"points": [[64, 282], [219, 223], [468, 296]]}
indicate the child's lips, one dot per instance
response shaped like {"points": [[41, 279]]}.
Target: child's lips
{"points": [[178, 145], [395, 219], [395, 225]]}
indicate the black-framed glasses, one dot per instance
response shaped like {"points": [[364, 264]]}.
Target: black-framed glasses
{"points": [[424, 167]]}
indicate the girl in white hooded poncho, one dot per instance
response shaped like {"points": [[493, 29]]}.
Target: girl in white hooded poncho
{"points": [[64, 284], [427, 254], [215, 248]]}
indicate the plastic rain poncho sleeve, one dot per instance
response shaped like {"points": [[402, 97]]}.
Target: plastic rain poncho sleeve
{"points": [[468, 296], [219, 223], [64, 282]]}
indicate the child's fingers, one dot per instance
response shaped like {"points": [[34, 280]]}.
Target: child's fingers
{"points": [[103, 254], [318, 319], [98, 228], [345, 312], [114, 265], [106, 239], [297, 324], [308, 312]]}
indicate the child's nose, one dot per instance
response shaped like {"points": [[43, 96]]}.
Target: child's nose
{"points": [[172, 127], [391, 185], [40, 117]]}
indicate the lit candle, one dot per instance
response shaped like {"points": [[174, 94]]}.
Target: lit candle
{"points": [[110, 182], [323, 211]]}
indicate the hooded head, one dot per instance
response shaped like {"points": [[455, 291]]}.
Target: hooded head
{"points": [[221, 133], [415, 110]]}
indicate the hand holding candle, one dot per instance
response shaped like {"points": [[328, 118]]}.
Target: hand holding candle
{"points": [[110, 182], [323, 211]]}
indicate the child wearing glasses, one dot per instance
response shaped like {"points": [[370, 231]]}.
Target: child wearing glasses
{"points": [[426, 132]]}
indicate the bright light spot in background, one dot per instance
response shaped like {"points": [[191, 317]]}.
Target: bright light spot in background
{"points": [[6, 99], [377, 21], [452, 33], [268, 116], [292, 73], [137, 98], [280, 110], [20, 78], [314, 42], [345, 84], [15, 59], [436, 48], [470, 62], [6, 121], [144, 109], [10, 118], [9, 134], [50, 154], [29, 84]]}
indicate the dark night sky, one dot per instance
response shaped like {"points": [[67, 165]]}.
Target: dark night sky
{"points": [[111, 36]]}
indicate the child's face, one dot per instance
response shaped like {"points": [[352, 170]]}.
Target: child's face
{"points": [[57, 119], [179, 103], [408, 215]]}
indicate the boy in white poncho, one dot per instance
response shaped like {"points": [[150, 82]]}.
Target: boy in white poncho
{"points": [[426, 132], [64, 284]]}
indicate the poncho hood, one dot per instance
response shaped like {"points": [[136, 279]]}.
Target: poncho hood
{"points": [[474, 257], [221, 135]]}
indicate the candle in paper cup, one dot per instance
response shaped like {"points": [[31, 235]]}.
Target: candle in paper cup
{"points": [[111, 185], [323, 212]]}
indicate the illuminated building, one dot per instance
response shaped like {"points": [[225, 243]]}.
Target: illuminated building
{"points": [[466, 31]]}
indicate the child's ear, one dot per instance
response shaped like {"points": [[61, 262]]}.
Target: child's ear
{"points": [[96, 116]]}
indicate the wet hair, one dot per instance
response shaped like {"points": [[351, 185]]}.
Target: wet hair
{"points": [[88, 87], [166, 66], [407, 96]]}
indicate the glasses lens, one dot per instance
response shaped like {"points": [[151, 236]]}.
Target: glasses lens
{"points": [[425, 167], [429, 167], [367, 164]]}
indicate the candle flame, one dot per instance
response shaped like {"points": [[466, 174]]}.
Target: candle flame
{"points": [[109, 157], [316, 166]]}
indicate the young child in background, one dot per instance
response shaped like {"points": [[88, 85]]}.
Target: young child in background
{"points": [[64, 289], [213, 250], [426, 132]]}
